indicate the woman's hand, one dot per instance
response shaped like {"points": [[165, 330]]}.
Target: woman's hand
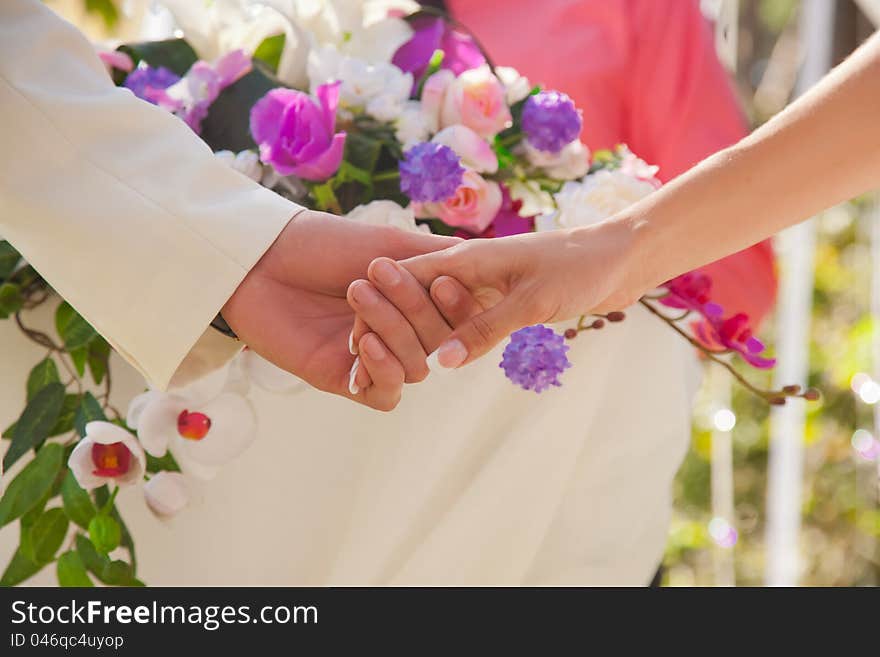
{"points": [[459, 303]]}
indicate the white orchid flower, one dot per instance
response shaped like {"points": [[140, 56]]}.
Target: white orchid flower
{"points": [[108, 453], [202, 435]]}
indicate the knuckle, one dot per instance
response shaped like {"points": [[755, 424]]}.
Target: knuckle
{"points": [[483, 330]]}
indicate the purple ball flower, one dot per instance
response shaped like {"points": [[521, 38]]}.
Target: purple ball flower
{"points": [[430, 172], [550, 120], [535, 357], [148, 82]]}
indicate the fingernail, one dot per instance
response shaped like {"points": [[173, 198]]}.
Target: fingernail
{"points": [[449, 355], [352, 348], [446, 293], [353, 387], [364, 293], [374, 348], [386, 273]]}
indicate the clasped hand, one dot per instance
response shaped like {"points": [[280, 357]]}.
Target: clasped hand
{"points": [[417, 301]]}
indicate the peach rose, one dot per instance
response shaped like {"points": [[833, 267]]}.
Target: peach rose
{"points": [[476, 99], [472, 207]]}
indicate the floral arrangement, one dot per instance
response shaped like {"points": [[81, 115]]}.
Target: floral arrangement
{"points": [[391, 119]]}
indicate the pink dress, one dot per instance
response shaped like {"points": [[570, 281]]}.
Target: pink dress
{"points": [[645, 73]]}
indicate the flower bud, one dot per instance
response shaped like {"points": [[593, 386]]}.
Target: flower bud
{"points": [[616, 316]]}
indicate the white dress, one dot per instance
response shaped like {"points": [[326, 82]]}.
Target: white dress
{"points": [[470, 481]]}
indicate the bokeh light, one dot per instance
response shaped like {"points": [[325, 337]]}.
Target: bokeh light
{"points": [[722, 532], [724, 419]]}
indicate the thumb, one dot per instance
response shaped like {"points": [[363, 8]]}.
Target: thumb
{"points": [[477, 335]]}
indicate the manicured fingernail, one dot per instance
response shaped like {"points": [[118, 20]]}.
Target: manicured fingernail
{"points": [[449, 355], [386, 273], [446, 293], [374, 348], [353, 387], [352, 347]]}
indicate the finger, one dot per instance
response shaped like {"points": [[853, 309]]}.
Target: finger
{"points": [[480, 333], [387, 322], [385, 373], [454, 300], [430, 266], [359, 330], [399, 287]]}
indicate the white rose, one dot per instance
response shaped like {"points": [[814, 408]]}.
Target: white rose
{"points": [[597, 197], [245, 162], [412, 125], [386, 213], [571, 163], [380, 89], [517, 86]]}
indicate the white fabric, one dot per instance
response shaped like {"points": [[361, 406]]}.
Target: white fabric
{"points": [[115, 202], [469, 481]]}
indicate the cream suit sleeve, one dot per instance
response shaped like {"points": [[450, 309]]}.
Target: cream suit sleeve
{"points": [[117, 204]]}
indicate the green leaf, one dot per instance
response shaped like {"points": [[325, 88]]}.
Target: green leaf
{"points": [[28, 519], [46, 536], [79, 357], [11, 300], [116, 572], [73, 329], [326, 198], [91, 558], [106, 9], [19, 569], [35, 423], [89, 411], [71, 571], [99, 354], [105, 533], [31, 484], [227, 125], [174, 54], [269, 51], [102, 497], [362, 152], [67, 415], [43, 373], [78, 504], [166, 462], [9, 258]]}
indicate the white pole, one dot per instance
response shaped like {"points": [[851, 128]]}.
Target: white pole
{"points": [[796, 251], [723, 521]]}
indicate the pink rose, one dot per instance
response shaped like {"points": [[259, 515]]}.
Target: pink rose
{"points": [[472, 207], [474, 151], [475, 99]]}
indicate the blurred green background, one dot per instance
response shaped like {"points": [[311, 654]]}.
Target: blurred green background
{"points": [[840, 515]]}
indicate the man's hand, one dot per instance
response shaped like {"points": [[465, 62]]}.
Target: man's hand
{"points": [[291, 307]]}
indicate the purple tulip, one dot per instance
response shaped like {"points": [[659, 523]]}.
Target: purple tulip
{"points": [[296, 134], [430, 34]]}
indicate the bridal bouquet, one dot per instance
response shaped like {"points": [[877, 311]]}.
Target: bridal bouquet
{"points": [[344, 107]]}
